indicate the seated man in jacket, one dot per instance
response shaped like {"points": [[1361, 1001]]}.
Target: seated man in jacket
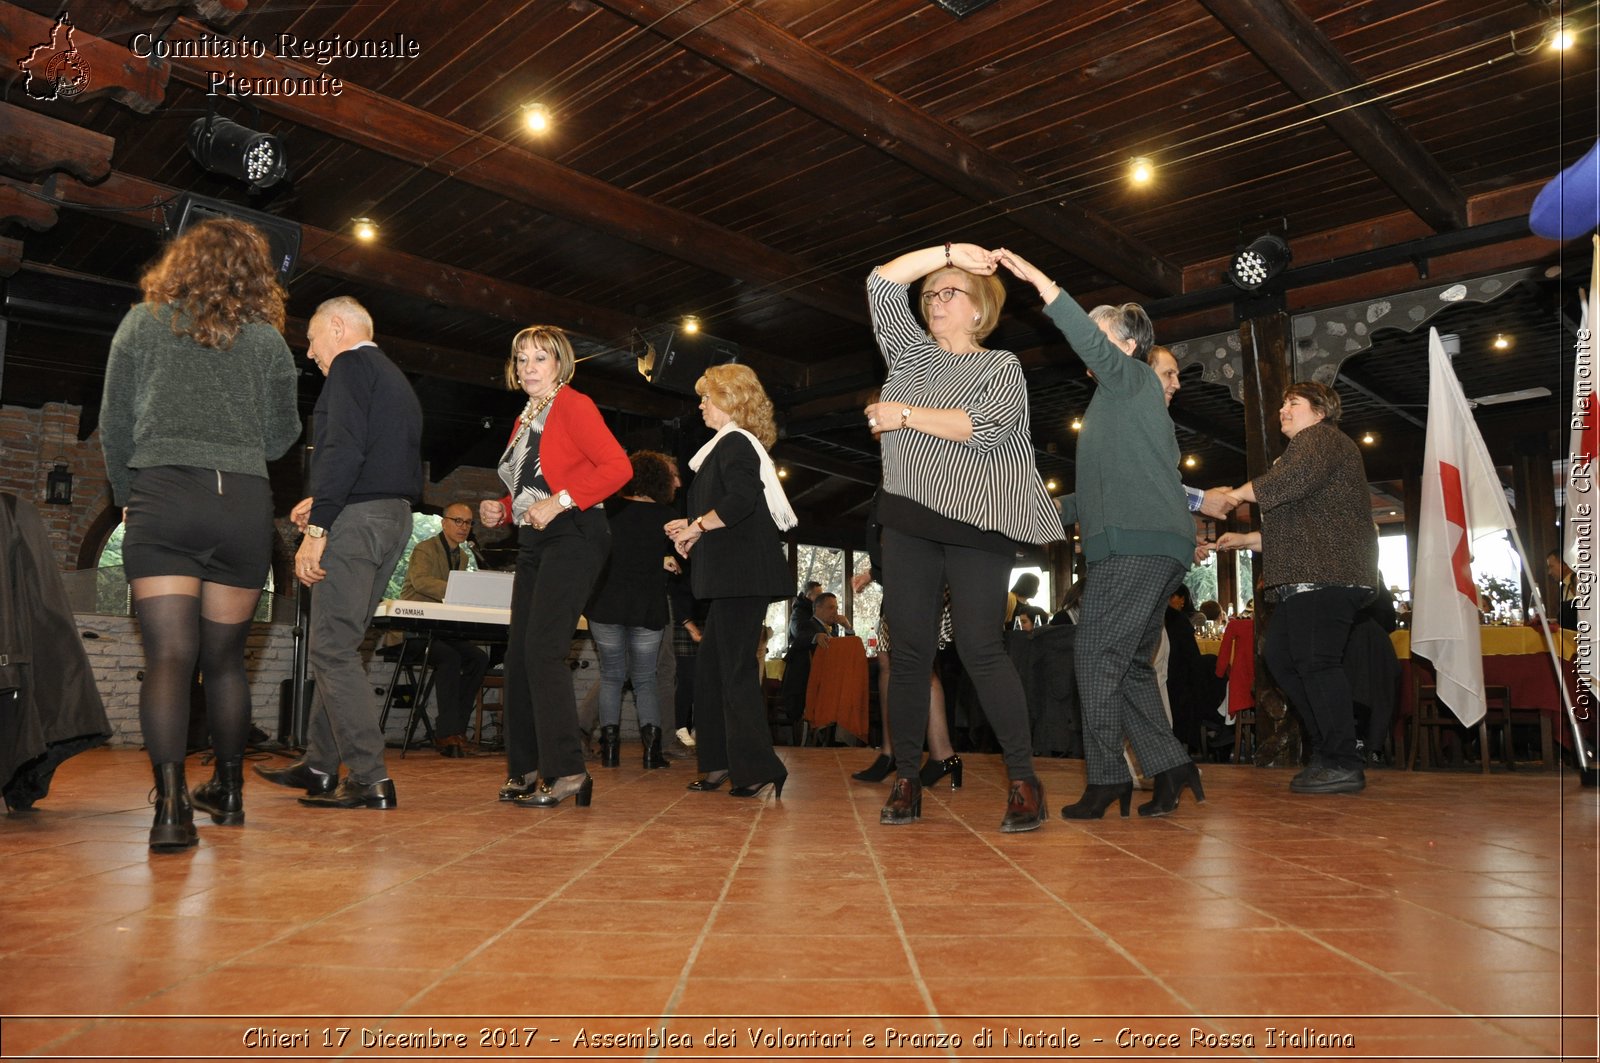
{"points": [[804, 638], [458, 664]]}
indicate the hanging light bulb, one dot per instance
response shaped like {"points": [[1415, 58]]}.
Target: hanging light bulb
{"points": [[691, 324], [1141, 170], [536, 116], [1076, 424], [366, 229]]}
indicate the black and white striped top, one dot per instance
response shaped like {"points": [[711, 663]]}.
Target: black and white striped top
{"points": [[990, 481]]}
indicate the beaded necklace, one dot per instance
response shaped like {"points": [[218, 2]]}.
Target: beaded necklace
{"points": [[532, 411]]}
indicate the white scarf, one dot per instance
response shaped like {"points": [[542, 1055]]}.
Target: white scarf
{"points": [[777, 501]]}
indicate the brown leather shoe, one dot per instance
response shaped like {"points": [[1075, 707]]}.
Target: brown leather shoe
{"points": [[1024, 807], [905, 803], [450, 746]]}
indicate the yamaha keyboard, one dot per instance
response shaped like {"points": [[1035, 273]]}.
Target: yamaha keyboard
{"points": [[446, 619]]}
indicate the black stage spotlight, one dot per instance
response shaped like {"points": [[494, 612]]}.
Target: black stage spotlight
{"points": [[224, 146], [1264, 259]]}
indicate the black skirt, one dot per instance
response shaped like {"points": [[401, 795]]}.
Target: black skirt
{"points": [[185, 521]]}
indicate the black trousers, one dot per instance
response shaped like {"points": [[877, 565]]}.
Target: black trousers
{"points": [[458, 670], [556, 570], [915, 572], [730, 716], [1305, 650]]}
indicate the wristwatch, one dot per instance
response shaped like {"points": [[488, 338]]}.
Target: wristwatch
{"points": [[315, 532], [564, 498]]}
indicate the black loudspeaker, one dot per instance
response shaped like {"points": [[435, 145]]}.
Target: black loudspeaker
{"points": [[672, 359], [283, 235]]}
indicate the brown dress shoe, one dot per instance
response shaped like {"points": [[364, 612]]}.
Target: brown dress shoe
{"points": [[1024, 807]]}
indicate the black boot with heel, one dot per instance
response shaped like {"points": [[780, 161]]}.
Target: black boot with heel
{"points": [[173, 829], [1097, 798], [1169, 785], [650, 737], [610, 746], [223, 797]]}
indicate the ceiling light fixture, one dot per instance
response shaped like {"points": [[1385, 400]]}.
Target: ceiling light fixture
{"points": [[1502, 342], [366, 229], [1561, 38], [1141, 170], [691, 324], [224, 146], [1369, 439], [783, 472], [1265, 258], [536, 116], [1051, 485], [1076, 424], [1190, 462]]}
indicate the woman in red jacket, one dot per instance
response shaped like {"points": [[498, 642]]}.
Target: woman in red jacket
{"points": [[561, 464]]}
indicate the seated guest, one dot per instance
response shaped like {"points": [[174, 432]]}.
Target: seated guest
{"points": [[804, 639], [459, 665], [1560, 573]]}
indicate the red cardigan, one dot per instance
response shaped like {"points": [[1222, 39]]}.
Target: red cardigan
{"points": [[577, 452]]}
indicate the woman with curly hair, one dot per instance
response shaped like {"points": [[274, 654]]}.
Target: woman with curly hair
{"points": [[739, 567], [199, 396], [561, 465]]}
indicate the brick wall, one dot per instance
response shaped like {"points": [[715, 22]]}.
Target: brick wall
{"points": [[32, 444]]}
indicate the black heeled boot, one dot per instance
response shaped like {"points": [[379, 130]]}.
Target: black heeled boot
{"points": [[610, 746], [934, 770], [223, 797], [1097, 797], [1169, 784], [173, 828], [650, 736], [877, 772]]}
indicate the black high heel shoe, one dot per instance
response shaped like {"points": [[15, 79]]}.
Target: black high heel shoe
{"points": [[1097, 797], [712, 780], [878, 772], [550, 794], [1169, 785], [755, 791], [934, 770]]}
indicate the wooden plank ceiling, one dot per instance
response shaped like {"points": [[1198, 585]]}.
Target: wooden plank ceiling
{"points": [[748, 161]]}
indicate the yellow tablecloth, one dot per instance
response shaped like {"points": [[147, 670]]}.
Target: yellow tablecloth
{"points": [[1211, 646], [1498, 642]]}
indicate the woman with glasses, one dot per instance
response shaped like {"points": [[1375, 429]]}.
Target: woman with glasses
{"points": [[961, 493], [561, 464]]}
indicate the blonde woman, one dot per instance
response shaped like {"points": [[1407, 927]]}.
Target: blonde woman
{"points": [[737, 509]]}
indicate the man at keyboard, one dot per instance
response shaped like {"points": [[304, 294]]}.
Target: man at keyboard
{"points": [[459, 665]]}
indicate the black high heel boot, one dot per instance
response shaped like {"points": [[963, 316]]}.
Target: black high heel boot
{"points": [[173, 828], [1169, 784], [878, 772], [905, 803], [1097, 797], [650, 736], [223, 797], [610, 746], [934, 770]]}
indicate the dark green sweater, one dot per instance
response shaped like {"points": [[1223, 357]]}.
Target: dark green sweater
{"points": [[170, 401], [1128, 500]]}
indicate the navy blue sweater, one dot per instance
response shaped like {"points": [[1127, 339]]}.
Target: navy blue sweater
{"points": [[367, 435]]}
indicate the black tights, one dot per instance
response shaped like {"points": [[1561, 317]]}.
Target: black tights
{"points": [[177, 638]]}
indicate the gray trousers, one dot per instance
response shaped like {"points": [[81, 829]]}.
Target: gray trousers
{"points": [[364, 545], [1119, 628]]}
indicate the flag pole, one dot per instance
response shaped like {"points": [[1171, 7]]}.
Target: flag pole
{"points": [[1585, 755]]}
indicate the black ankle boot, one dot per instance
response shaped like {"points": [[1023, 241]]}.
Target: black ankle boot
{"points": [[1097, 797], [173, 828], [650, 736], [610, 746], [223, 797], [1169, 784]]}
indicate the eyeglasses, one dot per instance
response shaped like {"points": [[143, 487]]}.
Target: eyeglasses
{"points": [[460, 522], [944, 295]]}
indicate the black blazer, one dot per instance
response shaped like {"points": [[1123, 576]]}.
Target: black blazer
{"points": [[746, 558]]}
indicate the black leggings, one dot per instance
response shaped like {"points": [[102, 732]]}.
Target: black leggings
{"points": [[177, 639]]}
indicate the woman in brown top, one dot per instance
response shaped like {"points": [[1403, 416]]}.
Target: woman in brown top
{"points": [[1320, 565]]}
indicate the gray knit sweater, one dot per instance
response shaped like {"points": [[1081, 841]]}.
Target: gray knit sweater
{"points": [[170, 401], [1316, 513]]}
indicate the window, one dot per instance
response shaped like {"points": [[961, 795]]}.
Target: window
{"points": [[423, 526]]}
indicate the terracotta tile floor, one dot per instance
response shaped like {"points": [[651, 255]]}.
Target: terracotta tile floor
{"points": [[1438, 914]]}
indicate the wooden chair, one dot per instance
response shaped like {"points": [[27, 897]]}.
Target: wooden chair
{"points": [[1506, 722], [1429, 717], [1244, 735]]}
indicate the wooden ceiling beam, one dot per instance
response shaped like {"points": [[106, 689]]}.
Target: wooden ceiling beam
{"points": [[755, 49], [25, 205], [32, 143], [114, 72], [1304, 59], [805, 457], [474, 157]]}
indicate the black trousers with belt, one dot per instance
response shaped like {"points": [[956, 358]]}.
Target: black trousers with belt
{"points": [[556, 570]]}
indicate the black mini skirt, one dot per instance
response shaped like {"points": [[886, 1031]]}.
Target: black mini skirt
{"points": [[185, 521]]}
